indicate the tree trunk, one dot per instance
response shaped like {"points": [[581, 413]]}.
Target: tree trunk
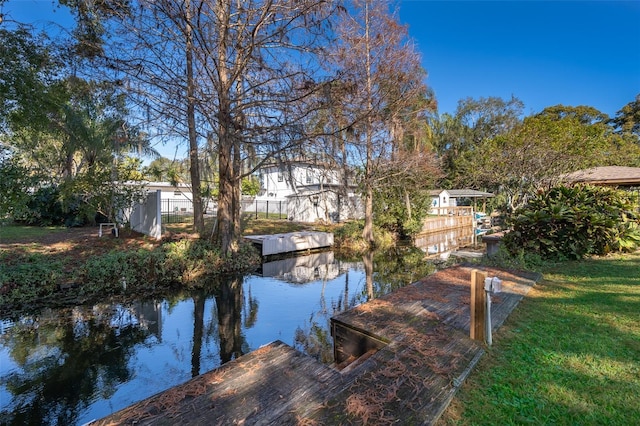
{"points": [[194, 166], [225, 232], [367, 232], [407, 203], [227, 198]]}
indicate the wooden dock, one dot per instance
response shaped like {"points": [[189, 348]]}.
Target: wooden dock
{"points": [[401, 359], [448, 218], [291, 242]]}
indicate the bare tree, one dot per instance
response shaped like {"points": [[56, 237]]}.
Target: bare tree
{"points": [[240, 75], [382, 90]]}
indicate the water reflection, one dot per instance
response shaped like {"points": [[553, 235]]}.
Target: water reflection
{"points": [[441, 244], [70, 366], [64, 359]]}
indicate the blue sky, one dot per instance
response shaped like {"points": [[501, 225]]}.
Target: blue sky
{"points": [[542, 52]]}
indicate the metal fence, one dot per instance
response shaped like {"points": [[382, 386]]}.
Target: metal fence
{"points": [[176, 211], [180, 211], [264, 208]]}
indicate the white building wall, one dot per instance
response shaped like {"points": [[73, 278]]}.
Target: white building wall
{"points": [[330, 207], [277, 183]]}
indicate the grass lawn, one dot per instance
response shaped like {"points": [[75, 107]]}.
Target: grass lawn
{"points": [[568, 355], [251, 226], [10, 233]]}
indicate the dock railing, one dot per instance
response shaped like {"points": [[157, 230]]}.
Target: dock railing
{"points": [[444, 218]]}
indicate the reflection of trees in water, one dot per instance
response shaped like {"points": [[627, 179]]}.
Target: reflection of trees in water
{"points": [[66, 359], [225, 328], [390, 270], [71, 358], [384, 273], [198, 330], [315, 340], [229, 303], [367, 260], [251, 310]]}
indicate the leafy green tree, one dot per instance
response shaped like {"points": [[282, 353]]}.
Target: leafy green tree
{"points": [[584, 115], [72, 134], [458, 138], [165, 170], [627, 120], [250, 186], [537, 153], [15, 181], [574, 222], [30, 87]]}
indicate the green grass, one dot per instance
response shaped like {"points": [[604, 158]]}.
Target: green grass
{"points": [[249, 225], [568, 355], [9, 233]]}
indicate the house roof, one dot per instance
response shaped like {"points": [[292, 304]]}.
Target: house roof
{"points": [[469, 193], [462, 193], [607, 175]]}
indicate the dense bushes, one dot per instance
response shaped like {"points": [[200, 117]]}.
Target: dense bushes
{"points": [[349, 237], [46, 208], [28, 281], [574, 222]]}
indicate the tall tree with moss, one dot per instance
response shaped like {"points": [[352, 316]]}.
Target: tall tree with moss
{"points": [[382, 91], [253, 66]]}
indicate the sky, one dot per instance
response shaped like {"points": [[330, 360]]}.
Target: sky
{"points": [[544, 53]]}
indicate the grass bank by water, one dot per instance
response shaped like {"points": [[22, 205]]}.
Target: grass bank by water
{"points": [[569, 354], [56, 266]]}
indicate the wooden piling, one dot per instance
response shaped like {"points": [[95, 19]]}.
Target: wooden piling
{"points": [[478, 305]]}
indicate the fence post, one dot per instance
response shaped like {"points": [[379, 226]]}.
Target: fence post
{"points": [[256, 201], [478, 305], [280, 209]]}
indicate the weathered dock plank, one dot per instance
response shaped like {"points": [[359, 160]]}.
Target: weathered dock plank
{"points": [[419, 355], [256, 388]]}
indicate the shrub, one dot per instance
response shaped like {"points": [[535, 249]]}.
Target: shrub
{"points": [[574, 222], [45, 207], [190, 259]]}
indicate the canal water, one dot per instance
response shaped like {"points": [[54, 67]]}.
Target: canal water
{"points": [[71, 366]]}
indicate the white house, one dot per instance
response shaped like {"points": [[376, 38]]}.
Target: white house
{"points": [[310, 191], [441, 199], [170, 192], [277, 181]]}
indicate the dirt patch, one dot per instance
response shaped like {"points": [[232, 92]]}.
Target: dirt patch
{"points": [[76, 245]]}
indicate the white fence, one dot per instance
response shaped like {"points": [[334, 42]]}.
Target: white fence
{"points": [[146, 216]]}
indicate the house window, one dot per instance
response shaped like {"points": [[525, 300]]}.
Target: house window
{"points": [[177, 193], [280, 175], [309, 175]]}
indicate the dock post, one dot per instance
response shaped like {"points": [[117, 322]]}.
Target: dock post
{"points": [[478, 305]]}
